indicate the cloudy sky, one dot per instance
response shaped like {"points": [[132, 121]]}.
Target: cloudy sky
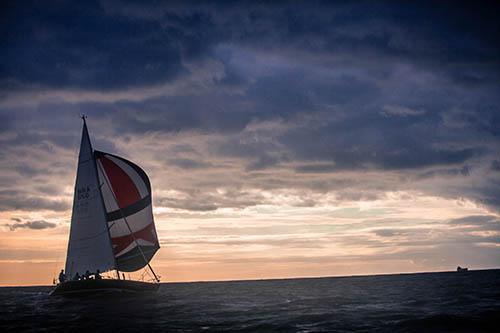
{"points": [[282, 140]]}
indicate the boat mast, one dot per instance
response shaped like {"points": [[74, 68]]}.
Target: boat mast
{"points": [[128, 226], [83, 116]]}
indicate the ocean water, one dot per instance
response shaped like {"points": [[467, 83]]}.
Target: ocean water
{"points": [[430, 302]]}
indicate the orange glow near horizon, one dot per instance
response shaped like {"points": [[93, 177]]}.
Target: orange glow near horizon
{"points": [[405, 232]]}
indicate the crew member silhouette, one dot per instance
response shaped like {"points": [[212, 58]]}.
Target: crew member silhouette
{"points": [[62, 276]]}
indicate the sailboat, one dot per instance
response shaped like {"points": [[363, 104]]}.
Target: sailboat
{"points": [[112, 225]]}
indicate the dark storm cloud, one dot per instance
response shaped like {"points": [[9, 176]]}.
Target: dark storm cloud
{"points": [[473, 220], [478, 223], [320, 87], [463, 171], [186, 163], [175, 113], [316, 168], [204, 201], [34, 225], [111, 45], [76, 45], [495, 165], [21, 200]]}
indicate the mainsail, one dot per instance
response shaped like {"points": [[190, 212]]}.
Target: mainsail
{"points": [[89, 246], [127, 197]]}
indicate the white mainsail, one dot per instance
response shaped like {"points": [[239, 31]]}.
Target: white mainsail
{"points": [[89, 246]]}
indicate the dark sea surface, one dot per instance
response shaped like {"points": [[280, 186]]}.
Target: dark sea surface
{"points": [[429, 302]]}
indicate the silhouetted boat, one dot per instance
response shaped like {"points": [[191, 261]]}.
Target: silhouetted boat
{"points": [[112, 225], [92, 286], [462, 269]]}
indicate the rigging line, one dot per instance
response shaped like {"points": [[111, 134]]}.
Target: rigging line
{"points": [[126, 222], [56, 263]]}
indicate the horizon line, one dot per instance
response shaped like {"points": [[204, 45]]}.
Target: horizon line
{"points": [[286, 278]]}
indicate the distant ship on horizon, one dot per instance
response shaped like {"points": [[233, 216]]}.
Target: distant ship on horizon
{"points": [[462, 269]]}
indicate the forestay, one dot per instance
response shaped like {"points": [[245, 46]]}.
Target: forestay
{"points": [[89, 246], [126, 191]]}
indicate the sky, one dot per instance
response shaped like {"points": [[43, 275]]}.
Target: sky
{"points": [[282, 139]]}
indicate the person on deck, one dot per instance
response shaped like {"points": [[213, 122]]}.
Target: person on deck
{"points": [[97, 275], [62, 276], [87, 275], [77, 277]]}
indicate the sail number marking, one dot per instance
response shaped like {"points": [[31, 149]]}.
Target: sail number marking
{"points": [[83, 192]]}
